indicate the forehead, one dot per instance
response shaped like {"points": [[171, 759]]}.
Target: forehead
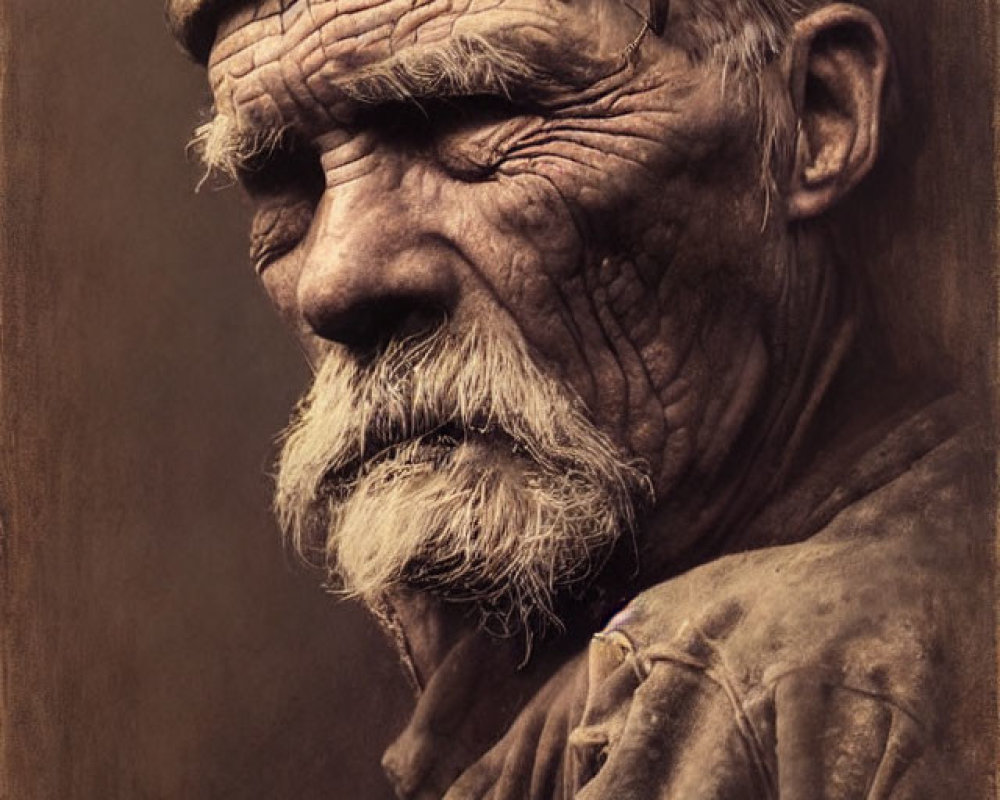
{"points": [[273, 58]]}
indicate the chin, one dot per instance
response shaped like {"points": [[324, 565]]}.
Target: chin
{"points": [[453, 465], [474, 522]]}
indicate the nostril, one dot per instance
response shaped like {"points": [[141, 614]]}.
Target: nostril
{"points": [[365, 294], [371, 324]]}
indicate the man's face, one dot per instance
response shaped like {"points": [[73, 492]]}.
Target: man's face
{"points": [[543, 176]]}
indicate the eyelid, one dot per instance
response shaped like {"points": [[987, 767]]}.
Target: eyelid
{"points": [[277, 229], [287, 160], [475, 152], [431, 112]]}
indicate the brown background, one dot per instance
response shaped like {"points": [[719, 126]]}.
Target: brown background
{"points": [[156, 641]]}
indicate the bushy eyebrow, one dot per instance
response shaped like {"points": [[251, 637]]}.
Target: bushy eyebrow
{"points": [[468, 65], [226, 149]]}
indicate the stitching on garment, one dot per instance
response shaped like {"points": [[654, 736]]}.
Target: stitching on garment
{"points": [[719, 676], [888, 773], [836, 680], [873, 783]]}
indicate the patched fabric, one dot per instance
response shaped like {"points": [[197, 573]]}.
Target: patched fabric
{"points": [[840, 667], [849, 664]]}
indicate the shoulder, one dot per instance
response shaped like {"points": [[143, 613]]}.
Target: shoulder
{"points": [[838, 661], [877, 589]]}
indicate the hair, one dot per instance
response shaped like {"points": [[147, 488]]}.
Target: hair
{"points": [[741, 33], [225, 148], [741, 36], [469, 64], [452, 464]]}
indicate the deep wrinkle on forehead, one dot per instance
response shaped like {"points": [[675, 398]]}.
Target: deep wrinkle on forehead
{"points": [[312, 64]]}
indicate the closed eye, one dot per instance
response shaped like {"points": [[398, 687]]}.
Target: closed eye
{"points": [[285, 184], [277, 229], [460, 133], [290, 166]]}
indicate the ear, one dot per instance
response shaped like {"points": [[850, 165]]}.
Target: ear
{"points": [[836, 71]]}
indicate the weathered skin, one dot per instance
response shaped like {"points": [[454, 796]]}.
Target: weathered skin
{"points": [[619, 207], [519, 214]]}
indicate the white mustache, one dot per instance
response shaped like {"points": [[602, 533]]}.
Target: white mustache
{"points": [[369, 441]]}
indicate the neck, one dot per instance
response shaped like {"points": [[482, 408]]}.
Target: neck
{"points": [[808, 339], [471, 687], [449, 659]]}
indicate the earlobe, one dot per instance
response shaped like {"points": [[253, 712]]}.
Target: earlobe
{"points": [[836, 70]]}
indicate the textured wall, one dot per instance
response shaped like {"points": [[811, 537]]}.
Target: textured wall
{"points": [[157, 643], [926, 220]]}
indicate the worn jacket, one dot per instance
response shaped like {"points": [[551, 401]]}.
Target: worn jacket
{"points": [[854, 662]]}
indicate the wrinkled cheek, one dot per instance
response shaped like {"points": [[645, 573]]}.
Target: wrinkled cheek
{"points": [[523, 249], [529, 260], [534, 211]]}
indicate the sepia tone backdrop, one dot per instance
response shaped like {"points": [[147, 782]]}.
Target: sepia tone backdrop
{"points": [[156, 642]]}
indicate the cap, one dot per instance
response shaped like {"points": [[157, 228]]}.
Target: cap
{"points": [[194, 23]]}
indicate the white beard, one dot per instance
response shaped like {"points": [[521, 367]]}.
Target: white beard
{"points": [[454, 466]]}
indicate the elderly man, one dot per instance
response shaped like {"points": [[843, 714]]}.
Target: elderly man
{"points": [[599, 428]]}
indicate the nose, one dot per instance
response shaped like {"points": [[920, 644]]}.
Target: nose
{"points": [[370, 274]]}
